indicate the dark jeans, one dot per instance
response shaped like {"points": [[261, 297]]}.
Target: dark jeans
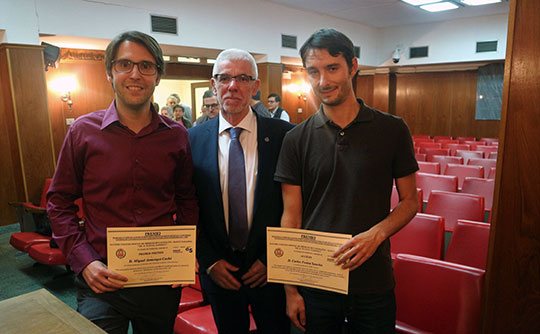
{"points": [[334, 313], [150, 309]]}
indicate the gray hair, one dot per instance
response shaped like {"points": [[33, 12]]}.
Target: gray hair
{"points": [[235, 54], [174, 96]]}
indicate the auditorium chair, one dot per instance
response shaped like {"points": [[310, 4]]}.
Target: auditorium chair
{"points": [[447, 141], [464, 139], [435, 151], [454, 206], [487, 149], [462, 171], [26, 219], [45, 254], [490, 141], [474, 144], [444, 160], [454, 147], [492, 155], [486, 163], [481, 187], [469, 244], [469, 155], [425, 145], [434, 296], [420, 156], [423, 236], [437, 139], [200, 320], [416, 137], [492, 172], [429, 167], [395, 198], [429, 182], [23, 240]]}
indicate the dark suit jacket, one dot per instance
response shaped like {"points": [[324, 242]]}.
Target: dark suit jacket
{"points": [[213, 240]]}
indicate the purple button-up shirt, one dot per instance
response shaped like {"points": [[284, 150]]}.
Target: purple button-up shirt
{"points": [[125, 180]]}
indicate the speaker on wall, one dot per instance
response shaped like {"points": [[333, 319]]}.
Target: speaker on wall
{"points": [[51, 55]]}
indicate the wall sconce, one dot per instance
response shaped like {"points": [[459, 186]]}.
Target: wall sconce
{"points": [[301, 90], [64, 86]]}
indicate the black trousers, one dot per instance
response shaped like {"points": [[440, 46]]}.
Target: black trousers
{"points": [[329, 312], [230, 307], [150, 309]]}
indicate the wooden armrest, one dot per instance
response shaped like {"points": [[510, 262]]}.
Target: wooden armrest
{"points": [[41, 211]]}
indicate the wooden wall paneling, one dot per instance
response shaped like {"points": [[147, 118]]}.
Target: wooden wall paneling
{"points": [[11, 182], [27, 150], [364, 88], [512, 285], [32, 117], [381, 91], [188, 71], [270, 77], [292, 103]]}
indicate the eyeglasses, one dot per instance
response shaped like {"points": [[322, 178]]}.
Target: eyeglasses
{"points": [[126, 66], [210, 106], [241, 79]]}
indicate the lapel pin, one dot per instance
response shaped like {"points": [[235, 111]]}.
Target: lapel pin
{"points": [[266, 139]]}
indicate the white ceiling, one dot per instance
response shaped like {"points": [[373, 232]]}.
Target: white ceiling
{"points": [[387, 13]]}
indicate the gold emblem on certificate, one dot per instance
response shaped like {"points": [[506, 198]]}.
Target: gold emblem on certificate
{"points": [[304, 257], [160, 255]]}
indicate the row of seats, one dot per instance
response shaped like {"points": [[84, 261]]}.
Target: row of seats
{"points": [[460, 139]]}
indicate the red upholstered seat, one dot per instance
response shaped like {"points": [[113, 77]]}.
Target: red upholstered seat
{"points": [[434, 296], [462, 171], [440, 139], [191, 298], [490, 141], [429, 167], [420, 156], [454, 206], [43, 253], [464, 139], [487, 149], [423, 235], [425, 145], [435, 151], [23, 240], [492, 155], [26, 220], [469, 155], [429, 182], [453, 147], [200, 320], [486, 163], [469, 244], [444, 160], [480, 187], [492, 172], [395, 198], [474, 144]]}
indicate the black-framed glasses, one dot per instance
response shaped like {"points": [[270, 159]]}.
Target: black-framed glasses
{"points": [[241, 79], [126, 66], [210, 106]]}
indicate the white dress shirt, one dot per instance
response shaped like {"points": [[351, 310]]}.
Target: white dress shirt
{"points": [[248, 140], [284, 114]]}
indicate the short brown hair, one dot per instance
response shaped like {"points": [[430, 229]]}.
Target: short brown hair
{"points": [[140, 38]]}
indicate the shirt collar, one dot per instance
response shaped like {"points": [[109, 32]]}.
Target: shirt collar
{"points": [[111, 116], [249, 123], [363, 115]]}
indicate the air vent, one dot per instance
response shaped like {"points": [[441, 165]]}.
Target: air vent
{"points": [[357, 51], [288, 41], [418, 52], [163, 24], [488, 46]]}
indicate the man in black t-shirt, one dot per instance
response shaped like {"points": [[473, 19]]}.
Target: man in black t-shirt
{"points": [[337, 170]]}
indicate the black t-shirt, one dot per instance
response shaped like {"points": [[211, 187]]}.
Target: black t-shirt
{"points": [[346, 177]]}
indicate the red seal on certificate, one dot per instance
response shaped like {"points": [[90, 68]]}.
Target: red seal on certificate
{"points": [[120, 253], [278, 252]]}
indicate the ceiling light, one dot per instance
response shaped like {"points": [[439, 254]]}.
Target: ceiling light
{"points": [[439, 7], [420, 2], [479, 2]]}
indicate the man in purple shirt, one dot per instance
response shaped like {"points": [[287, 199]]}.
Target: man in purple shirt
{"points": [[132, 167]]}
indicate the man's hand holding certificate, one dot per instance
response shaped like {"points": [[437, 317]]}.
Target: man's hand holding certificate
{"points": [[152, 255], [304, 257]]}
